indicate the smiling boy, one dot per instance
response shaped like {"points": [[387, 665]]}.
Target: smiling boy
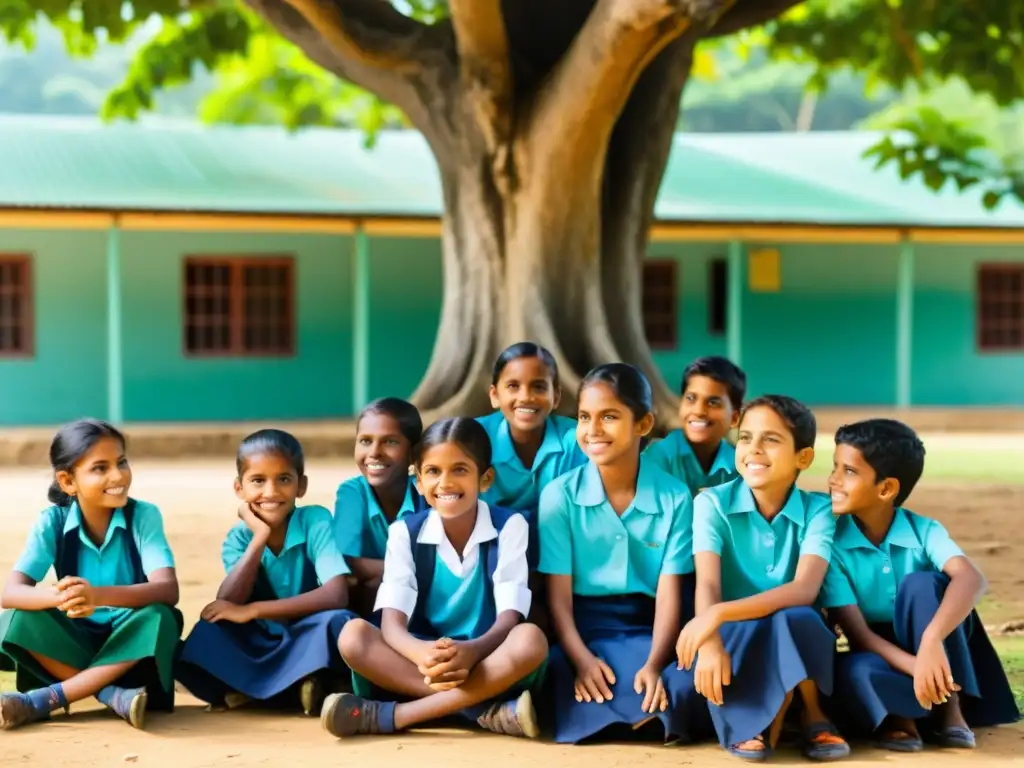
{"points": [[904, 594], [713, 389]]}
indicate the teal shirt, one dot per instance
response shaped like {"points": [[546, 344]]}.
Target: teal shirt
{"points": [[515, 486], [675, 455], [455, 602], [582, 536], [108, 565], [360, 527], [758, 555], [310, 535], [867, 576]]}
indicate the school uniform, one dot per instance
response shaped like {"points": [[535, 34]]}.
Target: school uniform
{"points": [[898, 586], [675, 455], [360, 526], [445, 595], [263, 658], [771, 655], [615, 563], [518, 487], [133, 549]]}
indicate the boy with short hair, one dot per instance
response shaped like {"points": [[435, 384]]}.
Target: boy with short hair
{"points": [[699, 454], [904, 594]]}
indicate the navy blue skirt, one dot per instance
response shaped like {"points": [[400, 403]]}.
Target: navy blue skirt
{"points": [[260, 659], [868, 690], [617, 629], [770, 658]]}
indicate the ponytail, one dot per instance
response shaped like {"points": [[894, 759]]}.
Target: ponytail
{"points": [[57, 496]]}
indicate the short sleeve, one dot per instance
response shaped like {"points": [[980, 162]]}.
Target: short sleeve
{"points": [[40, 549], [154, 551], [708, 525], [398, 586], [819, 530], [836, 590], [320, 545], [939, 546], [678, 559], [349, 519], [512, 573], [554, 531], [234, 546]]}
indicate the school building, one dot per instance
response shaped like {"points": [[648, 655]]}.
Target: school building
{"points": [[171, 272]]}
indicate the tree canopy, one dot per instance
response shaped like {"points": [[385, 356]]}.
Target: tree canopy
{"points": [[975, 51]]}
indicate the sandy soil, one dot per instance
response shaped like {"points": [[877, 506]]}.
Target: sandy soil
{"points": [[198, 504]]}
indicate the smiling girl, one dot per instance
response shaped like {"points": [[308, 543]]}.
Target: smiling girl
{"points": [[453, 599], [107, 628], [279, 611], [761, 549], [384, 492], [615, 539]]}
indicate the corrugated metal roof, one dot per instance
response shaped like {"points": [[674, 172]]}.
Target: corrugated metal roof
{"points": [[172, 165]]}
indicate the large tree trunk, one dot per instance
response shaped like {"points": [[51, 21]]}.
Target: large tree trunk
{"points": [[551, 123]]}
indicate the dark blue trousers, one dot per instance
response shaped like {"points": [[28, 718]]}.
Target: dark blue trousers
{"points": [[868, 690]]}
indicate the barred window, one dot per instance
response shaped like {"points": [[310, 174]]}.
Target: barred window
{"points": [[16, 316], [1000, 307], [660, 303]]}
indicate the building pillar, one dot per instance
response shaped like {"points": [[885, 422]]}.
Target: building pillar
{"points": [[361, 322], [904, 324], [734, 304], [115, 325]]}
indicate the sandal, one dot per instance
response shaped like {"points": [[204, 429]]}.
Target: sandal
{"points": [[752, 755], [956, 736], [823, 742], [899, 740]]}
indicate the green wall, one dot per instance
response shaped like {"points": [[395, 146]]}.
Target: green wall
{"points": [[828, 337], [66, 378]]}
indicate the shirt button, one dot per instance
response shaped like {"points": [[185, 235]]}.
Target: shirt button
{"points": [[886, 569], [769, 568], [769, 540], [618, 537]]}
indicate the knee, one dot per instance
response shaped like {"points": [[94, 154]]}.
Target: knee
{"points": [[923, 583], [165, 613], [799, 614], [528, 643], [354, 639]]}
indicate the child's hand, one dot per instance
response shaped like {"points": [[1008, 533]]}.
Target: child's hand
{"points": [[593, 679], [76, 596], [449, 664], [253, 521], [697, 631], [714, 670], [648, 682], [223, 610], [933, 680]]}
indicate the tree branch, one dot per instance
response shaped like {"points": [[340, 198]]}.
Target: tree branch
{"points": [[750, 13], [422, 88], [485, 70], [369, 31], [588, 88]]}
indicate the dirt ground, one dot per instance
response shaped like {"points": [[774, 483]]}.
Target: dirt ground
{"points": [[198, 503]]}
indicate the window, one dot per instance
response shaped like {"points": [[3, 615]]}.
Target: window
{"points": [[16, 332], [237, 307], [659, 303], [1000, 300], [718, 296]]}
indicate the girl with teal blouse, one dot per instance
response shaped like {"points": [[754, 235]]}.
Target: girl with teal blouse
{"points": [[367, 505], [761, 549], [615, 539], [109, 628]]}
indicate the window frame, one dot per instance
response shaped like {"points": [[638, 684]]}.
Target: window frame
{"points": [[28, 311], [982, 269], [237, 263], [673, 266]]}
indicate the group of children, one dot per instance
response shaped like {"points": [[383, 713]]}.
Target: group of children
{"points": [[526, 570]]}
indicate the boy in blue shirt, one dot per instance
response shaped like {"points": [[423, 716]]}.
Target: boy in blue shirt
{"points": [[699, 454], [905, 594]]}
